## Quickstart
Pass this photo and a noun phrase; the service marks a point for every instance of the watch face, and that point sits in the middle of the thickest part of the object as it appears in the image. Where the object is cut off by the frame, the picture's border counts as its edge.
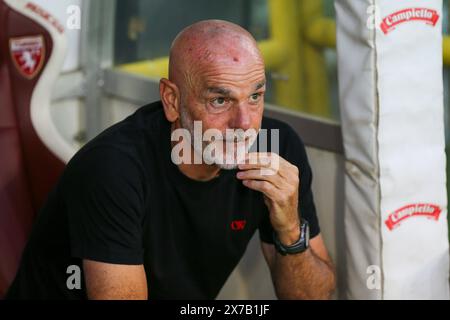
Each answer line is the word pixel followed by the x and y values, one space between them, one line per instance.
pixel 305 233
pixel 307 236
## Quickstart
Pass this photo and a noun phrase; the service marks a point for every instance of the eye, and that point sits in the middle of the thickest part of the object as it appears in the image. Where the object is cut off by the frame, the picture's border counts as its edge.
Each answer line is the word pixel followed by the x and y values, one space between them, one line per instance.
pixel 219 102
pixel 255 97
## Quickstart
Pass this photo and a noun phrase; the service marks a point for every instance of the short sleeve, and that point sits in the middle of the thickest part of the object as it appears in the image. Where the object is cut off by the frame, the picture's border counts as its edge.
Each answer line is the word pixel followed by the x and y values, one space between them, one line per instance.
pixel 104 200
pixel 293 150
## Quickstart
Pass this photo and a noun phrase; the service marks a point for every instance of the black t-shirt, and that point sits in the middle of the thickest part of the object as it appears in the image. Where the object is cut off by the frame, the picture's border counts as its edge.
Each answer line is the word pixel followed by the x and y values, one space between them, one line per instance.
pixel 122 200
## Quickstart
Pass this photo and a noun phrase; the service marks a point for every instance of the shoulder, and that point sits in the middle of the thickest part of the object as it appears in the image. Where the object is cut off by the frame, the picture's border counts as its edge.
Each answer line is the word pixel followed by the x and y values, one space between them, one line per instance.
pixel 103 167
pixel 134 128
pixel 123 146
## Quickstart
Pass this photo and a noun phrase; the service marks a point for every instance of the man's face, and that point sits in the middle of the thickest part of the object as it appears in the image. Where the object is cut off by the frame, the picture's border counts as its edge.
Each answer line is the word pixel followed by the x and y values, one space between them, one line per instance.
pixel 224 95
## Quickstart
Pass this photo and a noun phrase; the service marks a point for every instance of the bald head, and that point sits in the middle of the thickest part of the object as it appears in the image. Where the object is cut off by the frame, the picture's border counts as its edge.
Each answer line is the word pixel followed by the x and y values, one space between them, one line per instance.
pixel 207 43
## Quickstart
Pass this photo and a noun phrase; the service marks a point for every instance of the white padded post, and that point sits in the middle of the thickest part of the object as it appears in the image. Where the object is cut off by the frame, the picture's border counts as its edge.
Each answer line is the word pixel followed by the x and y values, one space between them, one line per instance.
pixel 391 98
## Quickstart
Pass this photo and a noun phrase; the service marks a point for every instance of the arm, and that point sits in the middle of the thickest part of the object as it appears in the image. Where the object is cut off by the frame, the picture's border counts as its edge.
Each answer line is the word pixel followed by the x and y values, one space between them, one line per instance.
pixel 106 281
pixel 307 275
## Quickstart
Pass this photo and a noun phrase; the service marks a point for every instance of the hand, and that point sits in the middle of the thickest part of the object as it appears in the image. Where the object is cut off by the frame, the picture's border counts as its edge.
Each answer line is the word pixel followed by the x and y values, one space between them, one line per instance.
pixel 279 181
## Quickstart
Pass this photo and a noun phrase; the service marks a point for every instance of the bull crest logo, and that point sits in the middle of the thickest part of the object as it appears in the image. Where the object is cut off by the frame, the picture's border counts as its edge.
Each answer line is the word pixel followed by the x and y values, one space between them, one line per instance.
pixel 28 54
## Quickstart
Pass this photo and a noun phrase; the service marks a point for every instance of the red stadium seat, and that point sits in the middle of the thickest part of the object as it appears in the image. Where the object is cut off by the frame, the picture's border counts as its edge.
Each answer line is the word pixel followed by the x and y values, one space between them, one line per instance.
pixel 32 153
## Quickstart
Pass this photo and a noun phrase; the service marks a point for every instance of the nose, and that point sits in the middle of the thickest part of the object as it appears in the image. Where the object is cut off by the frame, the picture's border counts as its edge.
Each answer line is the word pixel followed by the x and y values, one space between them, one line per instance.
pixel 241 118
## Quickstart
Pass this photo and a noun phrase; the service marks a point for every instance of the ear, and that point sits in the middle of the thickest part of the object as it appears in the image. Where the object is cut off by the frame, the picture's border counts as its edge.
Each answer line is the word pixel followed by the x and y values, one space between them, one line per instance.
pixel 170 98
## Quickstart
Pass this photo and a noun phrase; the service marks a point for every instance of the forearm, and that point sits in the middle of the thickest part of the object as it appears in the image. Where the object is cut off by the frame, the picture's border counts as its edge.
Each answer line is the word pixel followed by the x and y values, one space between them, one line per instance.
pixel 106 281
pixel 303 276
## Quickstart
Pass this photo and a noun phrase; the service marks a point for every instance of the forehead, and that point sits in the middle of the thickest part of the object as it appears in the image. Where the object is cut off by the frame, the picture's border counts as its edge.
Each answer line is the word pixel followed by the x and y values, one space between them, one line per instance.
pixel 232 77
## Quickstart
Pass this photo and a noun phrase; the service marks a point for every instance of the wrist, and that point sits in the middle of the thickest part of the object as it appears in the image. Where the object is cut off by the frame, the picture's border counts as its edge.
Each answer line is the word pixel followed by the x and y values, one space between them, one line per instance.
pixel 290 235
pixel 285 245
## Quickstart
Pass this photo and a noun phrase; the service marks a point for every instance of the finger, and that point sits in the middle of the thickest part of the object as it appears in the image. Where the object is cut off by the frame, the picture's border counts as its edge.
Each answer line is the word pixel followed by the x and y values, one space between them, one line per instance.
pixel 270 160
pixel 256 160
pixel 265 187
pixel 260 174
pixel 283 167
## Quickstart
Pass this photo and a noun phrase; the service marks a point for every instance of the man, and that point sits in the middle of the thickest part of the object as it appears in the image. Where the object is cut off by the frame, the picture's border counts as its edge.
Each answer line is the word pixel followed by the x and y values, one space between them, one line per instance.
pixel 141 226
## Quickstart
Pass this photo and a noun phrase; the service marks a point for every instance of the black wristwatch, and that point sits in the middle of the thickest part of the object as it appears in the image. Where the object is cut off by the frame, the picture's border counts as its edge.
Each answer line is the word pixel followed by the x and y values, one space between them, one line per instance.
pixel 299 246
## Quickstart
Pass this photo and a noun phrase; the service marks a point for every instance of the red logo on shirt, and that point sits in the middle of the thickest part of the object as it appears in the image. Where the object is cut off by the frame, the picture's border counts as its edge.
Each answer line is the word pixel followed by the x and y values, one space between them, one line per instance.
pixel 430 211
pixel 238 225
